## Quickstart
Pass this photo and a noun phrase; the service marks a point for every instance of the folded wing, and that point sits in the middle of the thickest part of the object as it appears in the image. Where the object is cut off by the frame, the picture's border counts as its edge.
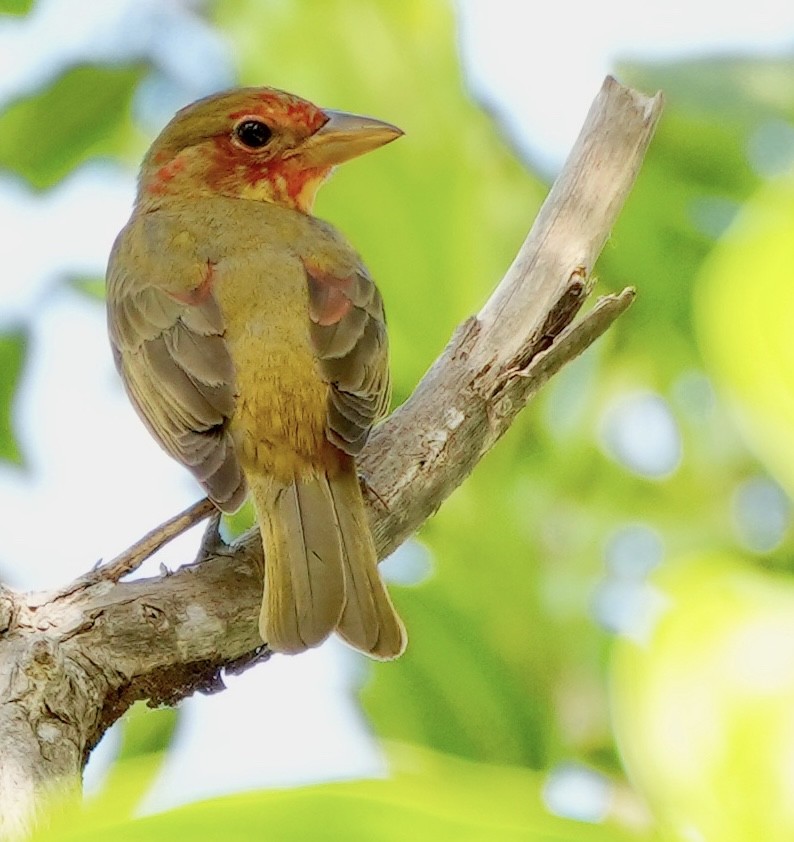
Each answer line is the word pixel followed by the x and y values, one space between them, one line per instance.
pixel 176 368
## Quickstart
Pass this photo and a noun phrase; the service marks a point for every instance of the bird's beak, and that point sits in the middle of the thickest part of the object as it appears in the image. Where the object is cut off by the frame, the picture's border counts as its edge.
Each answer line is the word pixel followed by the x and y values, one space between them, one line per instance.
pixel 345 136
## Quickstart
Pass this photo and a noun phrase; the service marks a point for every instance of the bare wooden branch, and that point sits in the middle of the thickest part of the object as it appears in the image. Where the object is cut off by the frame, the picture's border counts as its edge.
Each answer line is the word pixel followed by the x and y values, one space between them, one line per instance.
pixel 72 661
pixel 132 558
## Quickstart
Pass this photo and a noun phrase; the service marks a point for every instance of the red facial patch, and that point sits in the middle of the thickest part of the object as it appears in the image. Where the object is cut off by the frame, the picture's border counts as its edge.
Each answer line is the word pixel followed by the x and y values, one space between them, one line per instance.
pixel 225 162
pixel 232 168
pixel 295 177
pixel 167 172
pixel 164 175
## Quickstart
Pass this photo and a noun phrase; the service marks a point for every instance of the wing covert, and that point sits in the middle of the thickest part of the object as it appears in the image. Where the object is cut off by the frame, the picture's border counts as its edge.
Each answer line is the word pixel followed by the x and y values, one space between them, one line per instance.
pixel 348 328
pixel 176 368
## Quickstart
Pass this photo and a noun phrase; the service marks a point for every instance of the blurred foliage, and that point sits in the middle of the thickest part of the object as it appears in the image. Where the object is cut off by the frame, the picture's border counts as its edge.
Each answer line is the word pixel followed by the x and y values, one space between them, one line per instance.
pixel 429 797
pixel 544 553
pixel 92 287
pixel 15 7
pixel 84 113
pixel 746 310
pixel 145 734
pixel 713 146
pixel 703 702
pixel 12 356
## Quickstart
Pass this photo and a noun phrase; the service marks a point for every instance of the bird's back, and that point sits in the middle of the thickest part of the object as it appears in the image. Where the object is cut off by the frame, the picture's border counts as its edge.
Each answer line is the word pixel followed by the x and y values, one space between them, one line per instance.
pixel 279 423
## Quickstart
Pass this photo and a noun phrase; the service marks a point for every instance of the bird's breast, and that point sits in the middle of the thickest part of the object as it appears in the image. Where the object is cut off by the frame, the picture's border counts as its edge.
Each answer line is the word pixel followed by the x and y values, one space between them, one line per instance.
pixel 279 423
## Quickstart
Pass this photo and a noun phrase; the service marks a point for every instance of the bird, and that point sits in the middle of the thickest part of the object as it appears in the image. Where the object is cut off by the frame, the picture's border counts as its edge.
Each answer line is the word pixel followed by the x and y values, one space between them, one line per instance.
pixel 252 342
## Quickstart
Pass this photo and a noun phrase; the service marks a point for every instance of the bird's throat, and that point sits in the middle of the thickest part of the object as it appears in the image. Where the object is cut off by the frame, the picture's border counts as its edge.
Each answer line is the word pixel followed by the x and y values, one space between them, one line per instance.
pixel 285 185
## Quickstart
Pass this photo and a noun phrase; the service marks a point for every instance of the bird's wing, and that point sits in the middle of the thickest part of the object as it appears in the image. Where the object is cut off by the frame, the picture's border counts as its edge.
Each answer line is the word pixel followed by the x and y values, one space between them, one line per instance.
pixel 170 352
pixel 348 330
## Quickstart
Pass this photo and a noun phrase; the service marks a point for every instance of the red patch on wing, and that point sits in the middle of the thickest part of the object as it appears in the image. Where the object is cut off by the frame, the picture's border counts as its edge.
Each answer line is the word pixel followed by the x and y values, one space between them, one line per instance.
pixel 198 294
pixel 328 300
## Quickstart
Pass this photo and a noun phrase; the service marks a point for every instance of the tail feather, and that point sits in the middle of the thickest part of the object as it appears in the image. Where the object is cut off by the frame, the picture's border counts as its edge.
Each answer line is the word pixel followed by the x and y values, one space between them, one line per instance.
pixel 369 621
pixel 304 578
pixel 321 571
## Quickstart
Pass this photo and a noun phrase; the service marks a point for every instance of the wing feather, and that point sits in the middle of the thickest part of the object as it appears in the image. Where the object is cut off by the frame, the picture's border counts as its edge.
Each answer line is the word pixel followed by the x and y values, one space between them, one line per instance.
pixel 352 349
pixel 173 359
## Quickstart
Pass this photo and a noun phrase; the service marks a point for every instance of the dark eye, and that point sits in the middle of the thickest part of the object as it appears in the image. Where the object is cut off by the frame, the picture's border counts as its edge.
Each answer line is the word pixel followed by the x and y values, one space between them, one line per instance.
pixel 253 133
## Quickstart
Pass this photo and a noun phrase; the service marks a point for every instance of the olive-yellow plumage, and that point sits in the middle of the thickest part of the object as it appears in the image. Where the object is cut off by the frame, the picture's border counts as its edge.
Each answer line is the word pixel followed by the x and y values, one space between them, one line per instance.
pixel 252 342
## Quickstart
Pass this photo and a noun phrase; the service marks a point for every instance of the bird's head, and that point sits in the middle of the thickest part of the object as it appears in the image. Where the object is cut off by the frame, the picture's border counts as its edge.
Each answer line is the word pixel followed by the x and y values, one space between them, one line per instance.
pixel 255 143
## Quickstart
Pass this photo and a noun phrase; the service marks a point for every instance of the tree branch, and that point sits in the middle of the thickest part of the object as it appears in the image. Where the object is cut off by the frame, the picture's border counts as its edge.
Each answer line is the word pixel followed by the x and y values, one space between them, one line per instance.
pixel 132 558
pixel 72 661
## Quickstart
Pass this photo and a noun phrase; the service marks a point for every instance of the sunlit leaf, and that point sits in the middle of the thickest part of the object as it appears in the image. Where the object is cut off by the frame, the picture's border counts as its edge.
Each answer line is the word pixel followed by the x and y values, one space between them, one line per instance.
pixel 147 730
pixel 431 797
pixel 12 356
pixel 83 113
pixel 707 157
pixel 146 735
pixel 92 287
pixel 745 310
pixel 15 7
pixel 703 695
pixel 234 525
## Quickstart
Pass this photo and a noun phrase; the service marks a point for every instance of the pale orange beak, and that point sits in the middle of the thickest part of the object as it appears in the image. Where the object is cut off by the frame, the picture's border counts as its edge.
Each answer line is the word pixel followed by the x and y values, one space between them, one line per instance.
pixel 345 136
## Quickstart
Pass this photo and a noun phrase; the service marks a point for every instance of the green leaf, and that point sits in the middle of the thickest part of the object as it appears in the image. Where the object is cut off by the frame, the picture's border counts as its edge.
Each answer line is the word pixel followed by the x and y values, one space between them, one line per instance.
pixel 702 701
pixel 15 7
pixel 13 347
pixel 82 114
pixel 91 287
pixel 698 171
pixel 235 524
pixel 745 312
pixel 430 797
pixel 145 737
pixel 147 730
pixel 477 635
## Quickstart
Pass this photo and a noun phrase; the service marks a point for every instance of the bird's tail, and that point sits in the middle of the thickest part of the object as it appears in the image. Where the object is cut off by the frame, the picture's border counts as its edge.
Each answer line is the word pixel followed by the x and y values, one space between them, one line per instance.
pixel 321 569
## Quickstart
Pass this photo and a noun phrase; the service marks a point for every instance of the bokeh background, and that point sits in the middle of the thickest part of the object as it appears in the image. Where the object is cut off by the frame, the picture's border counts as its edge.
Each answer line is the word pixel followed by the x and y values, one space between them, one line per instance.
pixel 602 617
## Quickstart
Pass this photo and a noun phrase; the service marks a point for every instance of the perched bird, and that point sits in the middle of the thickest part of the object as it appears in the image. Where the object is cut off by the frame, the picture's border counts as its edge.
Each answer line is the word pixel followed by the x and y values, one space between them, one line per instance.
pixel 251 340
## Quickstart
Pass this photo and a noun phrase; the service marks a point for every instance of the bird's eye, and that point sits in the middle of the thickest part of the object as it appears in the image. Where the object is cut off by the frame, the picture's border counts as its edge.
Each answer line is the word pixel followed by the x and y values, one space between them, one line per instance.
pixel 253 133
